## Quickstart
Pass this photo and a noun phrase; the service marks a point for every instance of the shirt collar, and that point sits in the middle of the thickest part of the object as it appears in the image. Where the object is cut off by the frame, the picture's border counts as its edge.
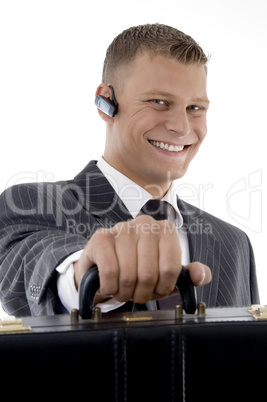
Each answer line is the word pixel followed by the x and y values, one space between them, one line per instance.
pixel 134 196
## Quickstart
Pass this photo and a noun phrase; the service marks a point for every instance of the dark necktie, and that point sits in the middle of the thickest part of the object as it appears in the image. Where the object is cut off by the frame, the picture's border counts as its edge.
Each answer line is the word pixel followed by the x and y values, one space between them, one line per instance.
pixel 158 209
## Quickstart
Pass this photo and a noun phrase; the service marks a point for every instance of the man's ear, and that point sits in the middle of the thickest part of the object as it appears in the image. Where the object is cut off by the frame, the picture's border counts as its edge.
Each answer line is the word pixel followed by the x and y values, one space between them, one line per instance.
pixel 104 91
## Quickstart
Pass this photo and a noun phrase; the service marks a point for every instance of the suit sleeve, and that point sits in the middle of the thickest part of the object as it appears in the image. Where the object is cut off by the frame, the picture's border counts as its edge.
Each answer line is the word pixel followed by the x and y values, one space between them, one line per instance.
pixel 34 239
pixel 254 291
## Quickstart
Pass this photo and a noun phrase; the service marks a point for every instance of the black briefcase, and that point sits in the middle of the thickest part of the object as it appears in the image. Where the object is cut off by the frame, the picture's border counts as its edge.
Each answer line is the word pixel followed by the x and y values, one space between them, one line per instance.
pixel 217 355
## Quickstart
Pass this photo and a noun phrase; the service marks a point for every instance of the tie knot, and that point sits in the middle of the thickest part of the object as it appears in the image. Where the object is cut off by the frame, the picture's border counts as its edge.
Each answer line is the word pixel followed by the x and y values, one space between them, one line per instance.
pixel 159 210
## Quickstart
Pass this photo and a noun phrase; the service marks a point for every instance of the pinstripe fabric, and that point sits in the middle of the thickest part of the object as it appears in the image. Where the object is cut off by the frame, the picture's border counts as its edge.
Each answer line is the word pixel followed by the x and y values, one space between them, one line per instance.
pixel 228 252
pixel 41 224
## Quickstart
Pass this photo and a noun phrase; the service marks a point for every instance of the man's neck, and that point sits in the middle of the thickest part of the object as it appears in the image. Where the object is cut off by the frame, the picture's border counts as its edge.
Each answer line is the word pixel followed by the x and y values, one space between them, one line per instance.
pixel 135 196
pixel 156 190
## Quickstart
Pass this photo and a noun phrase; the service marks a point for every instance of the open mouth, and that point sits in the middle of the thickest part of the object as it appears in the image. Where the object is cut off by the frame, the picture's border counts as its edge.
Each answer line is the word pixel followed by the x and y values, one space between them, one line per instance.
pixel 167 147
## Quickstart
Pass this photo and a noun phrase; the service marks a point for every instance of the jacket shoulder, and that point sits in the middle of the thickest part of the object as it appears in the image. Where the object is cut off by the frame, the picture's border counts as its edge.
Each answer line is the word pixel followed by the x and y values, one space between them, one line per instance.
pixel 191 213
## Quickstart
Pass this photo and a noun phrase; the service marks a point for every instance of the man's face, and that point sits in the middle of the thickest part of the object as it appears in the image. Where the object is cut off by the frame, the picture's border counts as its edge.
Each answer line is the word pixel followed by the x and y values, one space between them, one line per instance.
pixel 161 121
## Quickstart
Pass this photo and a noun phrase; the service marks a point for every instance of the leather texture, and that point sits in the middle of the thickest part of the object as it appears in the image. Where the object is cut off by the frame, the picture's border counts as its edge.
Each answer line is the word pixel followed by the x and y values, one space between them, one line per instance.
pixel 218 359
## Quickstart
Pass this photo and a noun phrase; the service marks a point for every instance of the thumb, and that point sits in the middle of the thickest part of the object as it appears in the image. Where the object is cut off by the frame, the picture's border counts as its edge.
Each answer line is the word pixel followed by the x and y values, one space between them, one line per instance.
pixel 200 274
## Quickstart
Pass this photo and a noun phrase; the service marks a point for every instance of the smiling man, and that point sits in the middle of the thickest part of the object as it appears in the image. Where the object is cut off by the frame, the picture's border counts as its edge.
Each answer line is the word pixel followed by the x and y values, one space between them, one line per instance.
pixel 155 107
pixel 161 120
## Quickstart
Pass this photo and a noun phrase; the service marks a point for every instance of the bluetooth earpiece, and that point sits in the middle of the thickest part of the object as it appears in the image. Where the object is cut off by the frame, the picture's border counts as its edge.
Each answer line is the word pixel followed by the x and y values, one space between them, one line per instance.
pixel 109 107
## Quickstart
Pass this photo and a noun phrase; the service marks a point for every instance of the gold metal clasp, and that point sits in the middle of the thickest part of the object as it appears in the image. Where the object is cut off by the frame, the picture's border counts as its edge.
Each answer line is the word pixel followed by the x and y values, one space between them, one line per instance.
pixel 137 317
pixel 258 312
pixel 97 314
pixel 11 325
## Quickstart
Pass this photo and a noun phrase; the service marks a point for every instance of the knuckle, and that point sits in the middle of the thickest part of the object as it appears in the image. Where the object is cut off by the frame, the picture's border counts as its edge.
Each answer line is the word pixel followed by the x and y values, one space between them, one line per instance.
pixel 100 236
pixel 110 270
pixel 168 279
pixel 108 281
pixel 119 227
pixel 145 219
pixel 168 228
pixel 123 229
pixel 148 276
pixel 128 281
pixel 170 275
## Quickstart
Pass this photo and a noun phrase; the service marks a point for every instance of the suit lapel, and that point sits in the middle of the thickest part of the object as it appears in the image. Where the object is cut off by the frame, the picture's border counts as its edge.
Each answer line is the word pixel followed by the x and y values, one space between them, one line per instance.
pixel 99 198
pixel 203 247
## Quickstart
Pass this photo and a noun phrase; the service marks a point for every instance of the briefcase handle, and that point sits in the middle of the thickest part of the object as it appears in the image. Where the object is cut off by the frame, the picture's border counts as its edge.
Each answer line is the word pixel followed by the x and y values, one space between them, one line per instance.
pixel 90 284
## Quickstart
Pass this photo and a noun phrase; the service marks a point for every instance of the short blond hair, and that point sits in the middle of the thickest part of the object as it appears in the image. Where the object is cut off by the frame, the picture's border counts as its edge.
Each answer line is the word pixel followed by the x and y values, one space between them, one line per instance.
pixel 154 39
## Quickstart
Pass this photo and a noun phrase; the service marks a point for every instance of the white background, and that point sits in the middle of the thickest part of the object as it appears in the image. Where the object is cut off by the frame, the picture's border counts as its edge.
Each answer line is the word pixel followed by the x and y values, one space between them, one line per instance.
pixel 51 56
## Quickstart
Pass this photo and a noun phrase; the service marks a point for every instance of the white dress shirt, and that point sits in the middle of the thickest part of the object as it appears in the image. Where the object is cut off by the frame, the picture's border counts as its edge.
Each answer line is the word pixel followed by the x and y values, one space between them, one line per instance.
pixel 134 198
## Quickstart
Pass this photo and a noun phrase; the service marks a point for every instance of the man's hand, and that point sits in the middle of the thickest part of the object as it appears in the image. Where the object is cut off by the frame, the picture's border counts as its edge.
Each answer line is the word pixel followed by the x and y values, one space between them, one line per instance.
pixel 138 260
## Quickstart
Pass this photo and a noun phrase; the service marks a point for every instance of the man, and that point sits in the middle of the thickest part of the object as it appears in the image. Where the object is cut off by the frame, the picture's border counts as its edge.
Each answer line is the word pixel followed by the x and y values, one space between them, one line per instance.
pixel 154 87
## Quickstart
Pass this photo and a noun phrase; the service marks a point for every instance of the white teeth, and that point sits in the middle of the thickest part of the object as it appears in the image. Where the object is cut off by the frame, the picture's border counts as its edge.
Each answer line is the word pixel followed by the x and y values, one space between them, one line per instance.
pixel 167 147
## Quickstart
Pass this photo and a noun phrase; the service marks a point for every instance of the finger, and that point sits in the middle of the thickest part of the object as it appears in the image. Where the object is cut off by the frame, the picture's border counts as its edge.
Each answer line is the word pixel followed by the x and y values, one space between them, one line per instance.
pixel 200 274
pixel 147 267
pixel 126 257
pixel 101 250
pixel 169 260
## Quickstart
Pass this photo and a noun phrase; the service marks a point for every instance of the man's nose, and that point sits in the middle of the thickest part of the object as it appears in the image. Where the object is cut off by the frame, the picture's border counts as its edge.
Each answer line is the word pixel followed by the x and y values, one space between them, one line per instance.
pixel 178 122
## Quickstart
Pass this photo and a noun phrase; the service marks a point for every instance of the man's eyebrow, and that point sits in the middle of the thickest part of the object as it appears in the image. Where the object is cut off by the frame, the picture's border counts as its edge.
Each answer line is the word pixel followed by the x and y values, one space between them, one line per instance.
pixel 159 93
pixel 203 99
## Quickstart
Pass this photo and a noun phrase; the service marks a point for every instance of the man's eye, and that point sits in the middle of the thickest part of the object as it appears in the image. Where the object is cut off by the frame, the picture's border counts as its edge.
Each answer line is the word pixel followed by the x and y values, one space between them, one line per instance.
pixel 159 102
pixel 197 110
pixel 194 107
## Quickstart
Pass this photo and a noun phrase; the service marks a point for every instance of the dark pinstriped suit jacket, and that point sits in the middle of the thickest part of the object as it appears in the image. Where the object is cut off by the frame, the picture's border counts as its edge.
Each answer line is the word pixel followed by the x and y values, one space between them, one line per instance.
pixel 41 224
